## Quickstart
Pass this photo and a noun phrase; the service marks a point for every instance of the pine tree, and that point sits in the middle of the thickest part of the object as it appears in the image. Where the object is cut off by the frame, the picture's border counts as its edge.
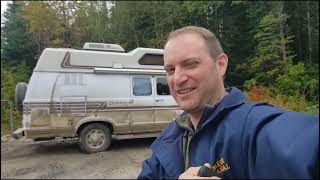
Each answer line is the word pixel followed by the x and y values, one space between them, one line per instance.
pixel 17 46
pixel 272 56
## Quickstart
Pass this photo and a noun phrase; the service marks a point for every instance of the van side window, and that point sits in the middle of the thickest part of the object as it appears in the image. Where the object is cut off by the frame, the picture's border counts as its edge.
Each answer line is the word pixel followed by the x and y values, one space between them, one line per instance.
pixel 142 86
pixel 162 86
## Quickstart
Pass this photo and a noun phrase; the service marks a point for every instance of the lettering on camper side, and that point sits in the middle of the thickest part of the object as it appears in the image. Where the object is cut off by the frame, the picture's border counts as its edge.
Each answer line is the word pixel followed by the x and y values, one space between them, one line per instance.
pixel 122 102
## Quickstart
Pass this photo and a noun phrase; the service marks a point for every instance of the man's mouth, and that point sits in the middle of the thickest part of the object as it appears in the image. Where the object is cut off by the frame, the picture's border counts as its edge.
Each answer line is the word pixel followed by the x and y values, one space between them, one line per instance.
pixel 185 91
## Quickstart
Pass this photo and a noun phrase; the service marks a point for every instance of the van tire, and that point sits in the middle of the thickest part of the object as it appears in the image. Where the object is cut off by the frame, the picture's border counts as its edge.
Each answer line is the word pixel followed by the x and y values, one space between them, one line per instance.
pixel 94 138
pixel 21 89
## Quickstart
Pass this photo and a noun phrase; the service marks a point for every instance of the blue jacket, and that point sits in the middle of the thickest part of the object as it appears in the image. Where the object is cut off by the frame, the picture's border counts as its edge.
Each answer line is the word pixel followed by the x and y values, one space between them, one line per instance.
pixel 240 140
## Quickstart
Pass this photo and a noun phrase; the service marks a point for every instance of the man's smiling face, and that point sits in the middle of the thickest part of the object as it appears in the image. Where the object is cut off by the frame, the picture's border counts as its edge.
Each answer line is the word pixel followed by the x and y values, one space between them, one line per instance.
pixel 194 77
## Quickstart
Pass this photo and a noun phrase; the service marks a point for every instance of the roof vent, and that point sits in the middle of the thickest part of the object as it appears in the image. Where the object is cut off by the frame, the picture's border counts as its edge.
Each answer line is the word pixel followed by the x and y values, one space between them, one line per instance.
pixel 103 47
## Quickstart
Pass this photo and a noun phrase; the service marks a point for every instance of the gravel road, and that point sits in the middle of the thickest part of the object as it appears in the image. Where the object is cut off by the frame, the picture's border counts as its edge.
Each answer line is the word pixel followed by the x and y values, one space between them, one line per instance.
pixel 59 159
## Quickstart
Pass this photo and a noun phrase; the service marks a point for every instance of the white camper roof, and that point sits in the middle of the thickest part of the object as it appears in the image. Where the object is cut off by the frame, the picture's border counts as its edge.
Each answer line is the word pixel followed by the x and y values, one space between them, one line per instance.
pixel 103 47
pixel 73 60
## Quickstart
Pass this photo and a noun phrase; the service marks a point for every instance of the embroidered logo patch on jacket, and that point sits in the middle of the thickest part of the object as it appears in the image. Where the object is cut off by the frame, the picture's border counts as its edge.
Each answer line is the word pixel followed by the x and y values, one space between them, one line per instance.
pixel 220 166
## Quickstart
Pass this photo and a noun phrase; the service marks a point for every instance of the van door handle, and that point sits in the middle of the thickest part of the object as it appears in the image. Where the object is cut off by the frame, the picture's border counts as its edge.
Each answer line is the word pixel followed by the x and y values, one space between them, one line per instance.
pixel 158 100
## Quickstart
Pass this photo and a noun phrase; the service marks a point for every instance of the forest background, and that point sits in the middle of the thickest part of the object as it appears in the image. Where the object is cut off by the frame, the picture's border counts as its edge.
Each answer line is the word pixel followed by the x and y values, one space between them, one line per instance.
pixel 273 46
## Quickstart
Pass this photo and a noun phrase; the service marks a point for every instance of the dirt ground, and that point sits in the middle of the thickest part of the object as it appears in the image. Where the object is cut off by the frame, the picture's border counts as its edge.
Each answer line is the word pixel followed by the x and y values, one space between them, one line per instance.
pixel 63 160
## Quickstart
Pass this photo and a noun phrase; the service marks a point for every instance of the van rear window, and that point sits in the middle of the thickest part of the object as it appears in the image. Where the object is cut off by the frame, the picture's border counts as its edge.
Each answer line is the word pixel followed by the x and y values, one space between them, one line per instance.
pixel 142 86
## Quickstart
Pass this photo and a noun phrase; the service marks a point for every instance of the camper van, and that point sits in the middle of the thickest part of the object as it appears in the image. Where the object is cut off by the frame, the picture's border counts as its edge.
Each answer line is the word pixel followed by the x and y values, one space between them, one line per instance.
pixel 96 94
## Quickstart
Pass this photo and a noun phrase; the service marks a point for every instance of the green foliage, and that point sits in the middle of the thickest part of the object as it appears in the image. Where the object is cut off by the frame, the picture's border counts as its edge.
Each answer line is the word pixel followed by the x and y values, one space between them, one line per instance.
pixel 272 55
pixel 297 83
pixel 9 79
pixel 43 24
pixel 312 109
pixel 269 43
pixel 16 44
pixel 7 85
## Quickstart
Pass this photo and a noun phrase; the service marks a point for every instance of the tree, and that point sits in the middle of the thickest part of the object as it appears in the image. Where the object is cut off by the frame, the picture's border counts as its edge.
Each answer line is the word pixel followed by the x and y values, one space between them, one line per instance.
pixel 269 43
pixel 272 55
pixel 17 46
pixel 63 11
pixel 303 22
pixel 43 24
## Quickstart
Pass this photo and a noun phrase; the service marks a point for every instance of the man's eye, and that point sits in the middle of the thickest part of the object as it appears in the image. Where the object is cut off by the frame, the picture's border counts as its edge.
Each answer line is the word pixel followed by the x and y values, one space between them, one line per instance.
pixel 191 64
pixel 170 71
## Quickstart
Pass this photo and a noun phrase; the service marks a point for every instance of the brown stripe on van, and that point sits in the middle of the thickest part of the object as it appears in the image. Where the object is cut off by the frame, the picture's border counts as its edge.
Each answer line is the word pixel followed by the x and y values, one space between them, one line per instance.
pixel 66 60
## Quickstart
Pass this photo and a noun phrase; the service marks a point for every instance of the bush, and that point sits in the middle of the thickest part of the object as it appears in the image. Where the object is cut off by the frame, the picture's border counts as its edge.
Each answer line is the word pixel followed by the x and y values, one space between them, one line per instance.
pixel 9 80
pixel 291 103
pixel 297 83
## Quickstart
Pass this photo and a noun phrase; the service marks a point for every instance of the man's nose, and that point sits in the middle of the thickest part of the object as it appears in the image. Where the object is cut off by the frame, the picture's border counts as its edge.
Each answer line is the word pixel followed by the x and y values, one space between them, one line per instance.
pixel 180 77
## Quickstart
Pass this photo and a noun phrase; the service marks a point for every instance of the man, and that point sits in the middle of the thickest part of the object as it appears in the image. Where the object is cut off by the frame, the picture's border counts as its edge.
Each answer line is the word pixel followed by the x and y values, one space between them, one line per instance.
pixel 234 138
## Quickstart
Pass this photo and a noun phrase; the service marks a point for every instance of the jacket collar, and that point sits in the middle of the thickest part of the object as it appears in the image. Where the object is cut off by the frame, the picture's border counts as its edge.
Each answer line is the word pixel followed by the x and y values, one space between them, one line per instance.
pixel 234 98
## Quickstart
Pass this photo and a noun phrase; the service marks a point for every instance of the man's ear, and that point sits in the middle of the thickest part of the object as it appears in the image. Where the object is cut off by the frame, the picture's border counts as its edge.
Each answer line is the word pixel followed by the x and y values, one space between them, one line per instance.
pixel 222 63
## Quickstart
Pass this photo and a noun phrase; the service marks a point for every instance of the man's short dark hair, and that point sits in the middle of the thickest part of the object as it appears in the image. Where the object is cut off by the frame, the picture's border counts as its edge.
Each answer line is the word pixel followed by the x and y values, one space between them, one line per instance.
pixel 212 43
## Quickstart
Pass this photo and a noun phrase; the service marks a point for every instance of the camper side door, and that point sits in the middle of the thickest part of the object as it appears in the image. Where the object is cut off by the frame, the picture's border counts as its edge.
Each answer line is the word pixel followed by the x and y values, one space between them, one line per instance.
pixel 166 109
pixel 142 106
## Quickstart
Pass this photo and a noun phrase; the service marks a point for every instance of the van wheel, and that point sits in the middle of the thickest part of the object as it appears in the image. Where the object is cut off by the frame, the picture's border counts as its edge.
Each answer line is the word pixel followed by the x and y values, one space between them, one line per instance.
pixel 21 89
pixel 94 138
